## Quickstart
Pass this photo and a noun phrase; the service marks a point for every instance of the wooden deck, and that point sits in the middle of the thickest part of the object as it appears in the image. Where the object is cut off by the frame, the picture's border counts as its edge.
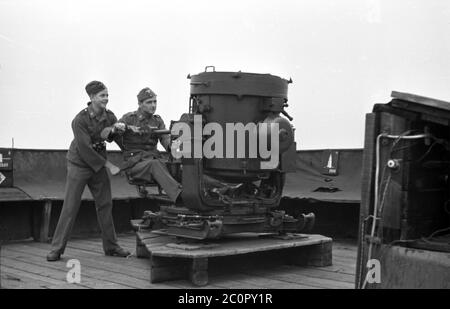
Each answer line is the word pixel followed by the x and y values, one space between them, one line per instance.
pixel 23 265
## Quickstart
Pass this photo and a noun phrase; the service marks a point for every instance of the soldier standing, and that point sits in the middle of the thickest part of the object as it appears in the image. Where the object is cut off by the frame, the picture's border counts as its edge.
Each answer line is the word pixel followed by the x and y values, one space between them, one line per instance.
pixel 86 165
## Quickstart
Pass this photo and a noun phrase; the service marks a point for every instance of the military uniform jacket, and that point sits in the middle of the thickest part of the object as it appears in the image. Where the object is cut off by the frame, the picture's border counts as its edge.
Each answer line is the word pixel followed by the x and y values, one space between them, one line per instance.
pixel 141 145
pixel 87 128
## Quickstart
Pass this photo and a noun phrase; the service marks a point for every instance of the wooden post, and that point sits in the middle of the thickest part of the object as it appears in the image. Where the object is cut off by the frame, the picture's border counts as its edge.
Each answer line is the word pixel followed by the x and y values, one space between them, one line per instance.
pixel 45 222
pixel 198 271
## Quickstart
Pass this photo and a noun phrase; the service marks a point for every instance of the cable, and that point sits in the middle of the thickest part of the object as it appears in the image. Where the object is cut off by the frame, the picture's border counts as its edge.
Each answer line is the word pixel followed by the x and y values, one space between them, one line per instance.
pixel 384 195
pixel 405 147
pixel 438 231
pixel 427 152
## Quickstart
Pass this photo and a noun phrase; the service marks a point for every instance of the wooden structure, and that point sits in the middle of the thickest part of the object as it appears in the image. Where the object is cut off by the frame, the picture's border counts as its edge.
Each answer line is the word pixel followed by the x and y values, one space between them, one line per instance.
pixel 23 265
pixel 173 258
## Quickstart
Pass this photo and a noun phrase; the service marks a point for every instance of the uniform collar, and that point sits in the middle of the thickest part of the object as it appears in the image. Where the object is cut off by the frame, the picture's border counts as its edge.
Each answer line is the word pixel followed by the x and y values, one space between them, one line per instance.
pixel 91 112
pixel 143 115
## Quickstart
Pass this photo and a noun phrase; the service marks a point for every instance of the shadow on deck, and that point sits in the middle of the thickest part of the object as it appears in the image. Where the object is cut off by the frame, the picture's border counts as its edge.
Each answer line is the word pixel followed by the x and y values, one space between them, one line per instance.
pixel 23 265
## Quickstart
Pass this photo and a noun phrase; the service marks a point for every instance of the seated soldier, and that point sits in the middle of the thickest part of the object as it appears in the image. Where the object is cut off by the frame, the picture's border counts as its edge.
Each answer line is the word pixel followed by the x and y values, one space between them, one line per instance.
pixel 139 145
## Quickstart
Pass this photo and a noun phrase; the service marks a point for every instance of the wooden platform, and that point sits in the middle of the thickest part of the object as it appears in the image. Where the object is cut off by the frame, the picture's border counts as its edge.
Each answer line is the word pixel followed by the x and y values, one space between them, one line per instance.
pixel 175 258
pixel 23 265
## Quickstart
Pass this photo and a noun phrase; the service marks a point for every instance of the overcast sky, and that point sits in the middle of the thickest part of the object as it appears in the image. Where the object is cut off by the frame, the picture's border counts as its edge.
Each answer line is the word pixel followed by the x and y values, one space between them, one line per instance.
pixel 343 57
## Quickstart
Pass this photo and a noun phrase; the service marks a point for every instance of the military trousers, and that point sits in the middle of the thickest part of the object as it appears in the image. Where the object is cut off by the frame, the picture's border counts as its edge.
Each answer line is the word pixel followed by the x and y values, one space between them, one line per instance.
pixel 153 169
pixel 100 186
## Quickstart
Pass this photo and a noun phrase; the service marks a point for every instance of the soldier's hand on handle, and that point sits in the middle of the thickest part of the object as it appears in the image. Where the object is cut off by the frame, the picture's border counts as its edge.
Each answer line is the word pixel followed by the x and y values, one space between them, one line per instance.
pixel 114 170
pixel 119 127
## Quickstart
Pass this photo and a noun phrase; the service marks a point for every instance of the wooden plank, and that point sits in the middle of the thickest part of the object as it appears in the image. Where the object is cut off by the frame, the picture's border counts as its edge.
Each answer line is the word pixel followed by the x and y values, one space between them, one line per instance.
pixel 242 280
pixel 349 259
pixel 102 263
pixel 339 268
pixel 90 260
pixel 218 282
pixel 58 269
pixel 93 261
pixel 90 277
pixel 17 279
pixel 349 255
pixel 274 262
pixel 225 282
pixel 320 273
pixel 136 264
pixel 345 250
pixel 55 277
pixel 109 272
pixel 186 284
pixel 234 246
pixel 279 273
pixel 260 281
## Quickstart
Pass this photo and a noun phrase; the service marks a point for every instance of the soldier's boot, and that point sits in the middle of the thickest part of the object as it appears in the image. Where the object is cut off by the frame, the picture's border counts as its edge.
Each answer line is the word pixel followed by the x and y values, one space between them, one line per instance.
pixel 53 256
pixel 119 251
